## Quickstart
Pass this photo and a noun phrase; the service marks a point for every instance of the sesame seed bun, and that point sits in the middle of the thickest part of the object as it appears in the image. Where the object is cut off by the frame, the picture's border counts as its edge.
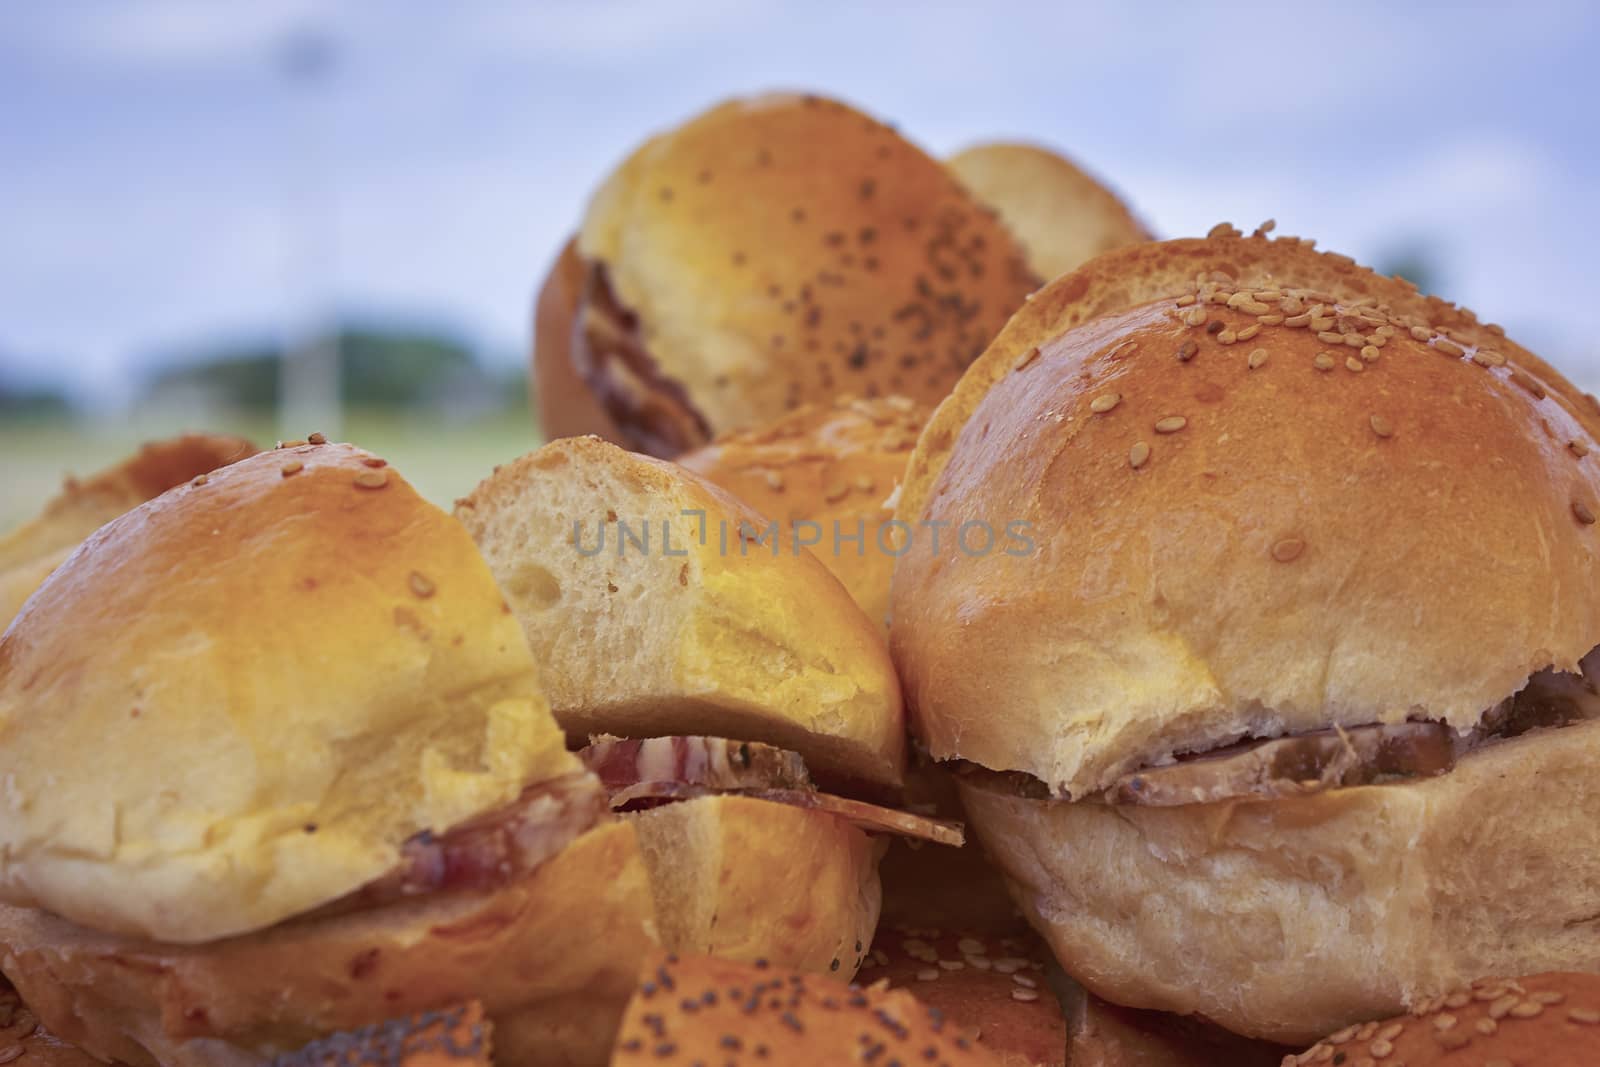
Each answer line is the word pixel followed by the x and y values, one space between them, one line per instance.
pixel 453 1036
pixel 701 1009
pixel 826 464
pixel 30 552
pixel 1224 551
pixel 1062 215
pixel 226 707
pixel 1250 528
pixel 722 638
pixel 1552 1020
pixel 781 250
pixel 552 957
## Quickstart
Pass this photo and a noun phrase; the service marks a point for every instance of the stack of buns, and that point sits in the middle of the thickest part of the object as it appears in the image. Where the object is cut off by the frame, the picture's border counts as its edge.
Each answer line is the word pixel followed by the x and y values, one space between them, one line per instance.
pixel 1238 598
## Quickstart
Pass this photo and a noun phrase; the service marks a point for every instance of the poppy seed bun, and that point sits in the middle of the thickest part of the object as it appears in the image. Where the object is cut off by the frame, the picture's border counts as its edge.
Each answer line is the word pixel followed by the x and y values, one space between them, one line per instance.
pixel 699 1009
pixel 1406 534
pixel 786 249
pixel 1547 1020
pixel 826 464
pixel 236 702
pixel 565 405
pixel 1062 216
pixel 454 1036
pixel 30 552
pixel 652 636
pixel 552 956
pixel 1289 918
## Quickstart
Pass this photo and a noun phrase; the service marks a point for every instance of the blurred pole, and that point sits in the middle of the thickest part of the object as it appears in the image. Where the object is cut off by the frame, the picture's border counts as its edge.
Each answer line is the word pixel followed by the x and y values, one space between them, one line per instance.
pixel 308 374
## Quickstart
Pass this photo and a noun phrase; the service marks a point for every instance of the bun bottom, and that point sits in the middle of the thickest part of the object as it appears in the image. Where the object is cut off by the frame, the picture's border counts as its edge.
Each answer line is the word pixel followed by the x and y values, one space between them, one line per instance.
pixel 1292 918
pixel 552 957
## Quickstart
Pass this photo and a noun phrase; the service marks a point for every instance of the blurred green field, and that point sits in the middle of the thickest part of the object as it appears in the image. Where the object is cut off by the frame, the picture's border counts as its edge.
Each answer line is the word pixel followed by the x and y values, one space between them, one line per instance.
pixel 443 457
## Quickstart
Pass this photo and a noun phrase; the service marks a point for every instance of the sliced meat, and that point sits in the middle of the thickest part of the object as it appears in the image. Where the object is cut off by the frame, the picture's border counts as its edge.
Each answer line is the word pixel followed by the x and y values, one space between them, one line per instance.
pixel 495 848
pixel 869 817
pixel 1286 766
pixel 1550 699
pixel 608 351
pixel 709 761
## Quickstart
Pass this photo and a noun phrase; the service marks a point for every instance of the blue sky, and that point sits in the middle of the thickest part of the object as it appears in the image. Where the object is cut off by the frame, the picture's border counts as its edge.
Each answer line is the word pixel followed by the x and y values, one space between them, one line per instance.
pixel 161 179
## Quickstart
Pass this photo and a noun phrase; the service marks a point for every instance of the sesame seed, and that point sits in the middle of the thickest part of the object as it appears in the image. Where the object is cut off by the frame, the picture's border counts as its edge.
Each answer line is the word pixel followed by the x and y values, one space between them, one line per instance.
pixel 1488 357
pixel 1297 321
pixel 374 461
pixel 199 480
pixel 1486 1026
pixel 1499 1008
pixel 952 965
pixel 1288 549
pixel 1024 981
pixel 1026 358
pixel 1291 305
pixel 1548 996
pixel 1249 331
pixel 1009 964
pixel 1421 333
pixel 1195 316
pixel 1390 1032
pixel 1380 1049
pixel 1215 326
pixel 1227 337
pixel 1528 382
pixel 1583 513
pixel 1323 361
pixel 1328 337
pixel 1270 320
pixel 1529 1009
pixel 1171 424
pixel 421 585
pixel 317 439
pixel 1381 426
pixel 1370 353
pixel 1026 996
pixel 1223 229
pixel 294 466
pixel 971 946
pixel 1444 1021
pixel 1138 456
pixel 1588 1016
pixel 1186 351
pixel 1342 1036
pixel 371 479
pixel 1448 347
pixel 1186 301
pixel 1258 359
pixel 1354 365
pixel 1453 1039
pixel 927 974
pixel 1105 402
pixel 774 481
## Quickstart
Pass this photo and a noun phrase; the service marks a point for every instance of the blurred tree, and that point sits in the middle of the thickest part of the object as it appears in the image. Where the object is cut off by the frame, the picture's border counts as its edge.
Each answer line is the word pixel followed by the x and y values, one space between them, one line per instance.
pixel 381 368
pixel 32 402
pixel 1416 262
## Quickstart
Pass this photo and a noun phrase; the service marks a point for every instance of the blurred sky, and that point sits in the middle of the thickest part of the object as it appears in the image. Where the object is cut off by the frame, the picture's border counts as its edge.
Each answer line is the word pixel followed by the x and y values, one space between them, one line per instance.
pixel 160 170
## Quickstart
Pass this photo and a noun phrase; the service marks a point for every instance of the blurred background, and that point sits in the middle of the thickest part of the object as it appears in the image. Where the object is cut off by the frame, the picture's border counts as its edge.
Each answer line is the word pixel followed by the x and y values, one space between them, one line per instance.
pixel 192 192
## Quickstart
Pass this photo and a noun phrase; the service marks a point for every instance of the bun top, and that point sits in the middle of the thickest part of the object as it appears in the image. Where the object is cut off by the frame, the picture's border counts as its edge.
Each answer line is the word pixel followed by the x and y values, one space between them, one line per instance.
pixel 237 701
pixel 1062 216
pixel 827 465
pixel 785 249
pixel 1268 491
pixel 1549 1019
pixel 702 1009
pixel 34 549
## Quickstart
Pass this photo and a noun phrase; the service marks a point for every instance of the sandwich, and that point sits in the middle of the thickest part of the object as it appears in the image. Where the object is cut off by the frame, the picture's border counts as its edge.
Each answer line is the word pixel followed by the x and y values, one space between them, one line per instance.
pixel 827 473
pixel 278 763
pixel 1286 713
pixel 739 708
pixel 771 252
pixel 1062 215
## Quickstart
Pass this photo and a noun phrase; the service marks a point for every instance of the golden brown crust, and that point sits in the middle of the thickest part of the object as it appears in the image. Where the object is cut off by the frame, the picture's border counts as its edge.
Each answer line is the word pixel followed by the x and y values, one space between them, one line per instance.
pixel 562 944
pixel 1062 215
pixel 566 406
pixel 33 550
pixel 766 273
pixel 1235 531
pixel 300 664
pixel 1552 1020
pixel 834 464
pixel 707 631
pixel 1290 918
pixel 701 1009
